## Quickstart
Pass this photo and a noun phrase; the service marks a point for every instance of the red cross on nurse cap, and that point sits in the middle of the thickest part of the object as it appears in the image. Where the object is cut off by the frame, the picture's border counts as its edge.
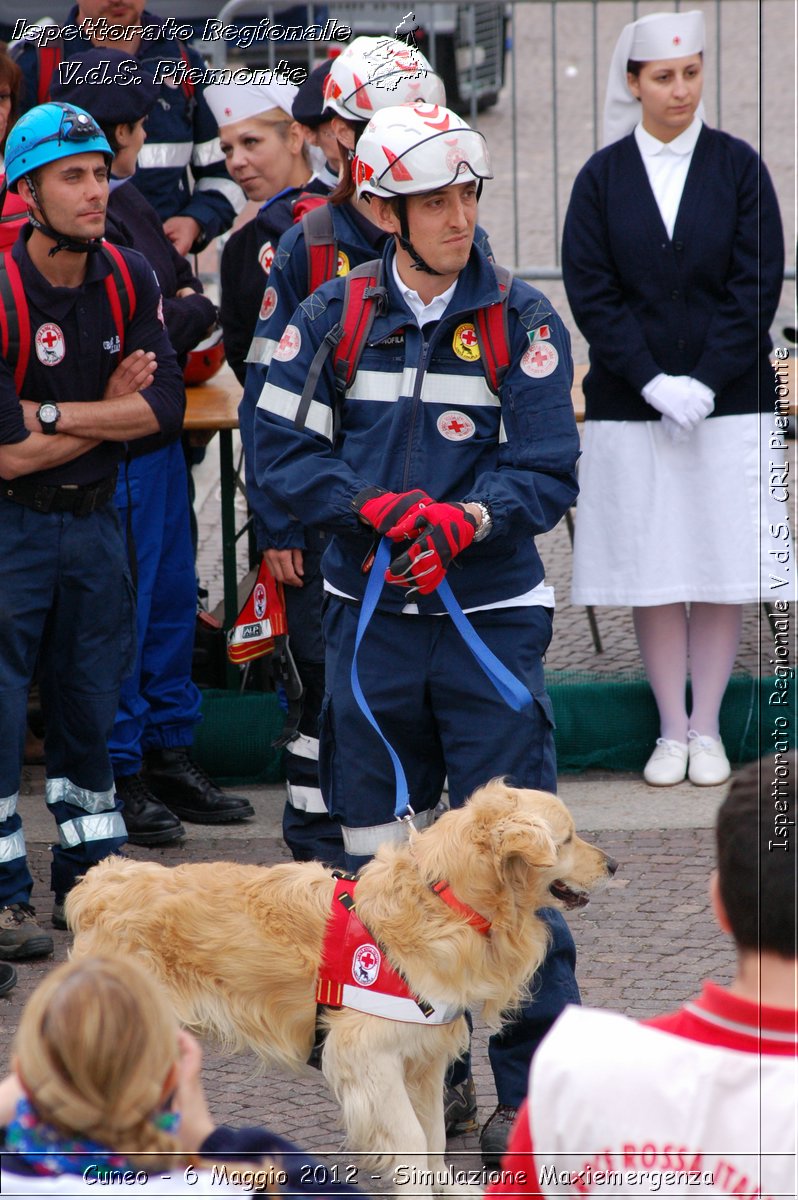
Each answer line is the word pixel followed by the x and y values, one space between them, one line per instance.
pixel 659 34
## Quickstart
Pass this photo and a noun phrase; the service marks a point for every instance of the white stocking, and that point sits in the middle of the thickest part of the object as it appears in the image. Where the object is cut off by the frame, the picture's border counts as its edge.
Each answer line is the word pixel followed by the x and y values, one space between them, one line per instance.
pixel 661 632
pixel 713 639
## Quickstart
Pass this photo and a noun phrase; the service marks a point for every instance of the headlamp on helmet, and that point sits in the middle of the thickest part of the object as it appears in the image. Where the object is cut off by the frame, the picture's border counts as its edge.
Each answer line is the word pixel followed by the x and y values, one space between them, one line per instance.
pixel 48 133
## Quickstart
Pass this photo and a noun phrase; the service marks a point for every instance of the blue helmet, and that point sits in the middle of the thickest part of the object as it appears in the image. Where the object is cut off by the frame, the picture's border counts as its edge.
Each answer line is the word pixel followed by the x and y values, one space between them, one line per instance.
pixel 47 133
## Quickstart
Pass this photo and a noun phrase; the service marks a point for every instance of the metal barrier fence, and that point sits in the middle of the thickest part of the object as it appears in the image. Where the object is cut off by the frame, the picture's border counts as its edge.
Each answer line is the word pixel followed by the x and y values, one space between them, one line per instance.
pixel 540 103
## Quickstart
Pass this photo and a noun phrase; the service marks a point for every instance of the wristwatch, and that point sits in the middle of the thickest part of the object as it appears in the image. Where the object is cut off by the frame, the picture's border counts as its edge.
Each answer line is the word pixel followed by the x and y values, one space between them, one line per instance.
pixel 48 415
pixel 486 523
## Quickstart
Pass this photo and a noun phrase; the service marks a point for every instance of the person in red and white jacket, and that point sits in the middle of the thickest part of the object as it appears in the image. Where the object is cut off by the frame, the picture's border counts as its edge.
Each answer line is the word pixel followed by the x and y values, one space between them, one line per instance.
pixel 700 1102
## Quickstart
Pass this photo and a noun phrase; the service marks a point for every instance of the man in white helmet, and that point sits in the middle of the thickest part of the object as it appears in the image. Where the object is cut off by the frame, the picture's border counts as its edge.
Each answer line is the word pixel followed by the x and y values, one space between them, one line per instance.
pixel 453 463
pixel 330 239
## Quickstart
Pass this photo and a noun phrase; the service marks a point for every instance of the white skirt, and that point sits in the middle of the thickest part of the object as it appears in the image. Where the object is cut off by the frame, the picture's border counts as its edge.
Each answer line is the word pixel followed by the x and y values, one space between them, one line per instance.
pixel 659 522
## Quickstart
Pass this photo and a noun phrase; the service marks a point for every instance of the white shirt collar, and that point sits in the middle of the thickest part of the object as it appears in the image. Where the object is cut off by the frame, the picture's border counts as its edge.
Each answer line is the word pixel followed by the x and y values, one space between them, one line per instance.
pixel 683 144
pixel 421 311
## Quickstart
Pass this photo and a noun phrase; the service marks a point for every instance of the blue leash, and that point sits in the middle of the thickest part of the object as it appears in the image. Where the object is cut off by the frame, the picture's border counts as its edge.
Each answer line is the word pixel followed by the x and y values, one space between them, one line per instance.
pixel 510 688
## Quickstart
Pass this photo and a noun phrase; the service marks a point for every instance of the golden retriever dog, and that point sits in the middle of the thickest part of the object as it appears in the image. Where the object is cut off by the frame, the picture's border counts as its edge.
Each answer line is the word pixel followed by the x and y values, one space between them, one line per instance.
pixel 239 949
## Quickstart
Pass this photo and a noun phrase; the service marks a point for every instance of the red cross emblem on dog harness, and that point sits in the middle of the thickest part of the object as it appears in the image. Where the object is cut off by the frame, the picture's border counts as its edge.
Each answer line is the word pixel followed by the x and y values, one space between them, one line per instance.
pixel 355 972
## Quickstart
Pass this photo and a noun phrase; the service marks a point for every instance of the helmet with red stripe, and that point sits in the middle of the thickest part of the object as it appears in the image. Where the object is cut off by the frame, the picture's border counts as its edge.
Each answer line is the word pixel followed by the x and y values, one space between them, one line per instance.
pixel 377 72
pixel 408 150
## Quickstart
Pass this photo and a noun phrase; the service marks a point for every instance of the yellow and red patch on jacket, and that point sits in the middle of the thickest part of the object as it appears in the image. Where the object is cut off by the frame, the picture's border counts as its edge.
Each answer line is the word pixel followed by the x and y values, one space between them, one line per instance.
pixel 465 342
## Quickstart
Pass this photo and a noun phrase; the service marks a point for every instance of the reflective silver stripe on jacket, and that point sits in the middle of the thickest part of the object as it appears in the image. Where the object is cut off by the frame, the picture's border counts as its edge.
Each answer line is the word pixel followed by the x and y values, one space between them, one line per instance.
pixel 8 804
pixel 205 154
pixel 91 802
pixel 438 388
pixel 165 154
pixel 226 187
pixel 368 838
pixel 261 350
pixel 91 829
pixel 305 799
pixel 286 404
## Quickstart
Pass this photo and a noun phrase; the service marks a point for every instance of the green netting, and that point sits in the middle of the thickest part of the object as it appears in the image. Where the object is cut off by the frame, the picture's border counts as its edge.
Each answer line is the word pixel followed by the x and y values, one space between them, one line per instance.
pixel 603 721
pixel 610 721
pixel 233 742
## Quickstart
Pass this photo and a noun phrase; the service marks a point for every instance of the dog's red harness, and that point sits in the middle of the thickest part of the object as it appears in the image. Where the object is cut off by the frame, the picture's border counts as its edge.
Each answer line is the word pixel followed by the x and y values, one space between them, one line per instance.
pixel 355 972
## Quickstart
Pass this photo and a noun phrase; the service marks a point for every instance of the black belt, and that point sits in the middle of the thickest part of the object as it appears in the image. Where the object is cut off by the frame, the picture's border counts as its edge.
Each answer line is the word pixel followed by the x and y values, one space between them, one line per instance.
pixel 76 498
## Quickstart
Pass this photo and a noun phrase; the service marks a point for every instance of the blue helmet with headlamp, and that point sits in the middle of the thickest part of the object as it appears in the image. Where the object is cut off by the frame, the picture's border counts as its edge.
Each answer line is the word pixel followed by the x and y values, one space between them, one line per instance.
pixel 47 133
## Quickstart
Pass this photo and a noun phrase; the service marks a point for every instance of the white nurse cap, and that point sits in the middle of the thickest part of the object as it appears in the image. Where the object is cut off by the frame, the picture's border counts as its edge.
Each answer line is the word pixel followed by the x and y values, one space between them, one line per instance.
pixel 231 102
pixel 659 35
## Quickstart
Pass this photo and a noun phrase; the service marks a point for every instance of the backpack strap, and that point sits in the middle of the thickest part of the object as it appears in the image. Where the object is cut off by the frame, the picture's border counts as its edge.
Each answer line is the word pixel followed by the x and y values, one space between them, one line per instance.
pixel 14 320
pixel 363 294
pixel 492 332
pixel 321 246
pixel 120 290
pixel 49 58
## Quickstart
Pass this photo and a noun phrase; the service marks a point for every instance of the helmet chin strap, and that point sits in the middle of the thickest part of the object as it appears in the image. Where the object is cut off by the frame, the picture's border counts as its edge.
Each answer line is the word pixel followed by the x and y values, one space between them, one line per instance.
pixel 62 240
pixel 418 263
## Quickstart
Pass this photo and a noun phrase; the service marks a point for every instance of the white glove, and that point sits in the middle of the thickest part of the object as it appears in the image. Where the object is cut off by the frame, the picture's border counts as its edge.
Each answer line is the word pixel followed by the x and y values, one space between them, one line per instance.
pixel 703 397
pixel 678 434
pixel 683 399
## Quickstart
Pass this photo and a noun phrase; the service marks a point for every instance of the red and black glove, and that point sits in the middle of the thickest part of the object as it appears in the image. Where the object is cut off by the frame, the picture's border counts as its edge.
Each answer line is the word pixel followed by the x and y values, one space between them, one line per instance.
pixel 444 531
pixel 382 510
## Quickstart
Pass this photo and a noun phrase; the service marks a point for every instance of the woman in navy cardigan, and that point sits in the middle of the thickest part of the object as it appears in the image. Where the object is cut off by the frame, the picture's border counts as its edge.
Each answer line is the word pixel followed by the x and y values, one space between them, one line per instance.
pixel 673 261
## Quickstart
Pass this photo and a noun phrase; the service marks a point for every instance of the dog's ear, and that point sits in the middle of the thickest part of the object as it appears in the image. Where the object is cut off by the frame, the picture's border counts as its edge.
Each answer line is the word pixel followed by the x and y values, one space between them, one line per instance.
pixel 526 846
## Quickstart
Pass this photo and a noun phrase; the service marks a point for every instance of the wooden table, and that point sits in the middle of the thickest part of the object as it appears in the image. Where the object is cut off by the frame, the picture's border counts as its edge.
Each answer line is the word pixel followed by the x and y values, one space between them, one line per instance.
pixel 213 407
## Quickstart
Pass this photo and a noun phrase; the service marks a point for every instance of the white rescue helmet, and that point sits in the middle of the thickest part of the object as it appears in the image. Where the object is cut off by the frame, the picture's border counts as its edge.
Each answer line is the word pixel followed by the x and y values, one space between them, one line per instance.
pixel 375 72
pixel 417 148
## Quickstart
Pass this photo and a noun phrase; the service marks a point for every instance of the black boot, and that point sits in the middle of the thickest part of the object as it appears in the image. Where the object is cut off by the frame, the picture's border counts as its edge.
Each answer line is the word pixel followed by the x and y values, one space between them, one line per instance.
pixel 148 821
pixel 189 792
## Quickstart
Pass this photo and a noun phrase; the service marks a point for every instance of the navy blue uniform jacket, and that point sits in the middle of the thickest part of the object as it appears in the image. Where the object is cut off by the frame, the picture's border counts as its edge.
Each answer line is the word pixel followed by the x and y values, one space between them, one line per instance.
pixel 419 415
pixel 181 133
pixel 699 304
pixel 358 241
pixel 83 314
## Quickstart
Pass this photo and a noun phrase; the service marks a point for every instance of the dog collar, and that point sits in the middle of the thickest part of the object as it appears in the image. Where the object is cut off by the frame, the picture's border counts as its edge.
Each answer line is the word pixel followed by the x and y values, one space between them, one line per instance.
pixel 480 923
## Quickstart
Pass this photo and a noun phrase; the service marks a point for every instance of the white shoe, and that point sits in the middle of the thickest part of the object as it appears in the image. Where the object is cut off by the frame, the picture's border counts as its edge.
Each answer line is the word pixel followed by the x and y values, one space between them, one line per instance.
pixel 709 765
pixel 667 765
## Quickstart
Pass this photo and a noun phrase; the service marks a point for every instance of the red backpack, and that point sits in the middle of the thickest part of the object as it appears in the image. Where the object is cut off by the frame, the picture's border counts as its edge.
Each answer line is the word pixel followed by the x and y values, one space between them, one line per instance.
pixel 14 313
pixel 321 244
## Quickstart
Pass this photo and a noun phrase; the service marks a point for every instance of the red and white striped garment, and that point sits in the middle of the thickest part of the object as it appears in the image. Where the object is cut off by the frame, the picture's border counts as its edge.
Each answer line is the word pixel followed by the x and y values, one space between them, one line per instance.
pixel 700 1103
